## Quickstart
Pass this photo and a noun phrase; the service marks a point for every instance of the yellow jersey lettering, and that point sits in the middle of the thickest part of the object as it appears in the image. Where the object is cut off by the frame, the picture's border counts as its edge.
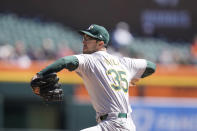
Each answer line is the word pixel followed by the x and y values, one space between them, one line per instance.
pixel 111 62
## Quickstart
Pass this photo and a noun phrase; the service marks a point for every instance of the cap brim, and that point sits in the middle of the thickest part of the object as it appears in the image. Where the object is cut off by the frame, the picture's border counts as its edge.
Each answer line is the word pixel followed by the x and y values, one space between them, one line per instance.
pixel 82 32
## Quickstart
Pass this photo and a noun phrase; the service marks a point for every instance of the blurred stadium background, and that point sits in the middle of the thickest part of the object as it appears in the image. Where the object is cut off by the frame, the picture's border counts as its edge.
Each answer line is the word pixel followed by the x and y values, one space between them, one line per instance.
pixel 34 33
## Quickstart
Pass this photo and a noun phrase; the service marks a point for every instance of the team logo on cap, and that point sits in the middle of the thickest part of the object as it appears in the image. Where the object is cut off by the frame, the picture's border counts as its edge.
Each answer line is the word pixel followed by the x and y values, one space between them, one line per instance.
pixel 91 27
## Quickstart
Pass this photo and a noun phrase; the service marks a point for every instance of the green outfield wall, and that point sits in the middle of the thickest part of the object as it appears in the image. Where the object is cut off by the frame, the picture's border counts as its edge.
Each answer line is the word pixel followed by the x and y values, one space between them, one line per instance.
pixel 21 109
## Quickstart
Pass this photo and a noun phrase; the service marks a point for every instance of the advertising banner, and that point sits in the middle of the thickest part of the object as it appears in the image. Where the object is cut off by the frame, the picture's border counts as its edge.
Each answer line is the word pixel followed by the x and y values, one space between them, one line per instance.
pixel 164 114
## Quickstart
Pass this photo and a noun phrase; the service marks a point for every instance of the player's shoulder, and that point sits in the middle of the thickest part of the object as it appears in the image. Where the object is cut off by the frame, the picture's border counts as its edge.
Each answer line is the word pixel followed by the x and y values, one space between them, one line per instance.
pixel 99 54
pixel 130 60
pixel 124 58
pixel 85 57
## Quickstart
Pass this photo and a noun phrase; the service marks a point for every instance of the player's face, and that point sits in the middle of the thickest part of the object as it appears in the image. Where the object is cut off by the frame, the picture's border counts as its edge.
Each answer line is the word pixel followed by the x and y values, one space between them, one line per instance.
pixel 90 45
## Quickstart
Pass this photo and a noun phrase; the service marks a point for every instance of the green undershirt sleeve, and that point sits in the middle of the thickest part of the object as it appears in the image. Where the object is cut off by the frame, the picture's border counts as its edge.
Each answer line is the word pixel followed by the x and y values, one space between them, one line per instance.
pixel 68 62
pixel 150 69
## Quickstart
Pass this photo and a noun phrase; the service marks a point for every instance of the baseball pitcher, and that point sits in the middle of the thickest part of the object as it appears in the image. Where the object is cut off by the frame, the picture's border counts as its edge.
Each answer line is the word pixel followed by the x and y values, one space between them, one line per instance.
pixel 105 76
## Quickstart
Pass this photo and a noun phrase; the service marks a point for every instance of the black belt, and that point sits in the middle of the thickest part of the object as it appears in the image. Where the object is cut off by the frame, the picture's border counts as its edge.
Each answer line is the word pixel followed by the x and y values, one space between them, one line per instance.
pixel 120 115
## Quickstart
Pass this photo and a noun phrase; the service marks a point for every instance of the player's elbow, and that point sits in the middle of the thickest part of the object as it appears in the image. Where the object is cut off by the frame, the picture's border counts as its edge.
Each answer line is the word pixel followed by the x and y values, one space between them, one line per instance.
pixel 71 62
pixel 150 69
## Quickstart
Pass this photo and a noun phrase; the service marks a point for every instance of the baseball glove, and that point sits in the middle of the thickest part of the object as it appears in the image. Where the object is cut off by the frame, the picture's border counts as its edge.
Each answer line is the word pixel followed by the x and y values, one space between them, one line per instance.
pixel 47 87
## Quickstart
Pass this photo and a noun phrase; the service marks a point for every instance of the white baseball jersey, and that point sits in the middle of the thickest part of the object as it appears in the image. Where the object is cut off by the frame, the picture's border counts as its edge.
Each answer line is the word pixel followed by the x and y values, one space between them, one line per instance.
pixel 107 79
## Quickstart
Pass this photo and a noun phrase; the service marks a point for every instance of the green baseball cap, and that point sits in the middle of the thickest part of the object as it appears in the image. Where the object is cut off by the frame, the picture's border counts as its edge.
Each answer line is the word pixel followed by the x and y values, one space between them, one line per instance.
pixel 98 32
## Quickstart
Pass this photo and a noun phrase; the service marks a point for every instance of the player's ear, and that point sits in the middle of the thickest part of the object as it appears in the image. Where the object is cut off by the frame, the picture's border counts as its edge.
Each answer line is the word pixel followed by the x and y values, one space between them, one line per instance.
pixel 101 43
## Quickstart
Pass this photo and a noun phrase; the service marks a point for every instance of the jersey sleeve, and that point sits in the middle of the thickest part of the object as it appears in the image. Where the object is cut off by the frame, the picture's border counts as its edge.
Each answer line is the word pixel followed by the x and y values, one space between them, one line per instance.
pixel 136 66
pixel 83 63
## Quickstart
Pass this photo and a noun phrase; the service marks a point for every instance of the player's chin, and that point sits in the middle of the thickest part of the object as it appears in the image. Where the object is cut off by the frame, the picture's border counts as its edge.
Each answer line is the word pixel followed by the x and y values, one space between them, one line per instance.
pixel 85 51
pixel 88 52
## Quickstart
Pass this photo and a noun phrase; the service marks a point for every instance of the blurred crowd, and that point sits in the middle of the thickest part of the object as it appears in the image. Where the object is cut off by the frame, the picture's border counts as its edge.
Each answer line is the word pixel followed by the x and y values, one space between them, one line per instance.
pixel 122 43
pixel 23 56
pixel 159 51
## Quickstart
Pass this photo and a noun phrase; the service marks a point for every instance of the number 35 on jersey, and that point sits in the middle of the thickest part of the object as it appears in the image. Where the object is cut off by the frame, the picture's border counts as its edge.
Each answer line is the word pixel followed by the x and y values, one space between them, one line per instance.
pixel 120 81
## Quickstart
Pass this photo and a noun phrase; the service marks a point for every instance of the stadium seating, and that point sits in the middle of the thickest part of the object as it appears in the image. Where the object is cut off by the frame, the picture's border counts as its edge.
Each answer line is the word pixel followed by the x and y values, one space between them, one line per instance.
pixel 32 32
